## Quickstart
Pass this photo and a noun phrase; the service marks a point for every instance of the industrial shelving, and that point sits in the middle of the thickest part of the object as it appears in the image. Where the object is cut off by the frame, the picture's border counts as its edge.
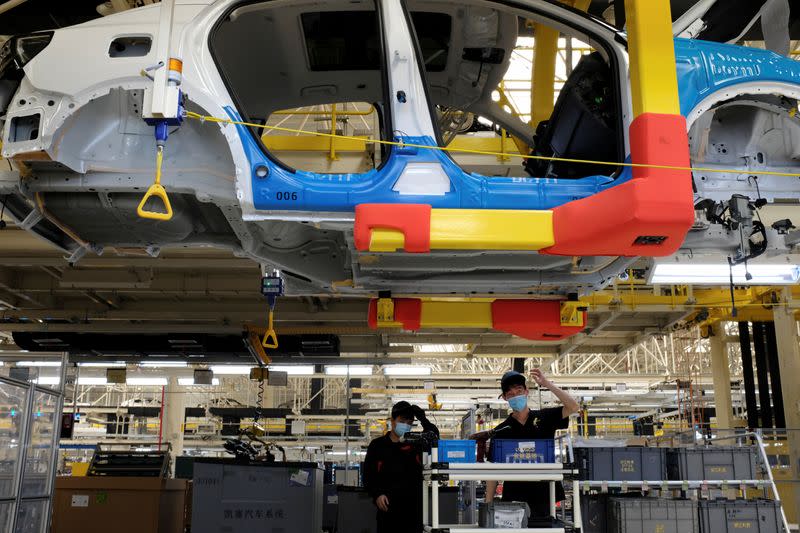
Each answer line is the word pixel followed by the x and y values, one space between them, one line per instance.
pixel 435 472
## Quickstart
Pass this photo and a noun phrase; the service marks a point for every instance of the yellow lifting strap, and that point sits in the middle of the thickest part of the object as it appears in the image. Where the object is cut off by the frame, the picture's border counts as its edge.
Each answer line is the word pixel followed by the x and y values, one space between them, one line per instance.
pixel 270 337
pixel 156 190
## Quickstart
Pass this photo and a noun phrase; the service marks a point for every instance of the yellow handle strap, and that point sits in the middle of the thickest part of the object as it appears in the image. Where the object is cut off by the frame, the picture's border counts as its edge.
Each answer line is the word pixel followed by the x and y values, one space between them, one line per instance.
pixel 270 337
pixel 158 191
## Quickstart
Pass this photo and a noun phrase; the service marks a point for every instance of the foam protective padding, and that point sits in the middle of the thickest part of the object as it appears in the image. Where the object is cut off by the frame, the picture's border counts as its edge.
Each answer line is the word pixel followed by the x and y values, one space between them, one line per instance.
pixel 646 216
pixel 538 320
pixel 412 220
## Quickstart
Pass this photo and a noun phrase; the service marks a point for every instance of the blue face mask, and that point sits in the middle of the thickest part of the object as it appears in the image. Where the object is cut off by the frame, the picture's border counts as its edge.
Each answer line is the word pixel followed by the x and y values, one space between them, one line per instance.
pixel 518 403
pixel 401 428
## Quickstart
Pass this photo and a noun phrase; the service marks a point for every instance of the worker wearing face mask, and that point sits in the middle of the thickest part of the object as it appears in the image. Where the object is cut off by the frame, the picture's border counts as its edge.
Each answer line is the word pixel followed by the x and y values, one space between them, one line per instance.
pixel 524 423
pixel 393 471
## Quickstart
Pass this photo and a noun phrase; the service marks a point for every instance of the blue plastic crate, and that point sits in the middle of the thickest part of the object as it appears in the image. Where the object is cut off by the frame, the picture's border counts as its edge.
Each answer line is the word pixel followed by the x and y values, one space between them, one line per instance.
pixel 523 451
pixel 457 451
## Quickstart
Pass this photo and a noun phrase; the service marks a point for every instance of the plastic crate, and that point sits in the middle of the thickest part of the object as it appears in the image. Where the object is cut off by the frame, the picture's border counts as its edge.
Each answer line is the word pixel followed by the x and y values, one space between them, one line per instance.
pixel 711 463
pixel 752 516
pixel 621 464
pixel 652 515
pixel 523 451
pixel 457 451
pixel 594 513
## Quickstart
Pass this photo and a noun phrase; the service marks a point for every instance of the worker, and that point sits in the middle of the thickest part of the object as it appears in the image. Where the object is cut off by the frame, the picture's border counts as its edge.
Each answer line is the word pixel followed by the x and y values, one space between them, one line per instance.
pixel 393 470
pixel 524 423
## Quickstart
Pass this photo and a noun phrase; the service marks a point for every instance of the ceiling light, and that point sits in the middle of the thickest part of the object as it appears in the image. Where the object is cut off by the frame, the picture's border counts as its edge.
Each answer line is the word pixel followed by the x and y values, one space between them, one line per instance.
pixel 38 363
pixel 344 370
pixel 47 380
pixel 293 370
pixel 144 382
pixel 189 382
pixel 231 370
pixel 92 381
pixel 102 365
pixel 719 274
pixel 407 370
pixel 165 364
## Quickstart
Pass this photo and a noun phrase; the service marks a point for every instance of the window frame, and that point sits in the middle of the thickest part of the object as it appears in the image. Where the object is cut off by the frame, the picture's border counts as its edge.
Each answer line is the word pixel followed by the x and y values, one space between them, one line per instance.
pixel 605 41
pixel 385 119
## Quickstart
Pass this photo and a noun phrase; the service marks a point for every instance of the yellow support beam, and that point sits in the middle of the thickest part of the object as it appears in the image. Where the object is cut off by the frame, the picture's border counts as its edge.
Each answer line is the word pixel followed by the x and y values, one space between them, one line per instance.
pixel 296 143
pixel 654 79
pixel 486 144
pixel 543 73
pixel 545 53
pixel 437 314
pixel 477 229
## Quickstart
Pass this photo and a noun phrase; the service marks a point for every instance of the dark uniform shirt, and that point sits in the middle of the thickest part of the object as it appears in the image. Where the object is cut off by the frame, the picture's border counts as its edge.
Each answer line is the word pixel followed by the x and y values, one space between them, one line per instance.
pixel 394 469
pixel 540 424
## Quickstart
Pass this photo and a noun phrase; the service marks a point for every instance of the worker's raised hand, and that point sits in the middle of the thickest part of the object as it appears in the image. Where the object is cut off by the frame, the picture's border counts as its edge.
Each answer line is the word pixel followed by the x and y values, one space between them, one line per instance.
pixel 538 377
pixel 419 413
pixel 383 503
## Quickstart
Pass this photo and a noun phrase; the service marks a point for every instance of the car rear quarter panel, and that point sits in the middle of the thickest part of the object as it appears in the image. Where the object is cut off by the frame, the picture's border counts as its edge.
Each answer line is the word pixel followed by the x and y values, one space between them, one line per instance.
pixel 705 68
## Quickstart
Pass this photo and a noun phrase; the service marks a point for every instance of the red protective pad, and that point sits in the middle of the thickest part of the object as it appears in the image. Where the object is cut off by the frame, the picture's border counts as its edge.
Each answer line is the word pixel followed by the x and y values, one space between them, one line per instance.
pixel 407 311
pixel 413 220
pixel 647 216
pixel 536 320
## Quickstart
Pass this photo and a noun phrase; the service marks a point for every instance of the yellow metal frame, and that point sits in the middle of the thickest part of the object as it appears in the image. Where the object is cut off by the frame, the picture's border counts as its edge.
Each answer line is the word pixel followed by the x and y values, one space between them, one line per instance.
pixel 297 143
pixel 477 229
pixel 545 53
pixel 444 314
pixel 385 314
pixel 654 79
pixel 572 314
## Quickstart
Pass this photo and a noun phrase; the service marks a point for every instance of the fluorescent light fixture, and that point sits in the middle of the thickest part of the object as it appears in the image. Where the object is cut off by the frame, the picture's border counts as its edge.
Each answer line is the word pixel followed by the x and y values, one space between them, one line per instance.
pixel 102 365
pixel 165 364
pixel 293 370
pixel 38 363
pixel 92 381
pixel 354 370
pixel 719 274
pixel 189 382
pixel 144 382
pixel 231 370
pixel 47 380
pixel 407 370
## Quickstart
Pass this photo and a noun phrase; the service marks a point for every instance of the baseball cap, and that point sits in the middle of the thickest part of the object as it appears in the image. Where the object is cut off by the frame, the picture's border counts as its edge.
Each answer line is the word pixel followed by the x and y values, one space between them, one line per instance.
pixel 402 408
pixel 511 378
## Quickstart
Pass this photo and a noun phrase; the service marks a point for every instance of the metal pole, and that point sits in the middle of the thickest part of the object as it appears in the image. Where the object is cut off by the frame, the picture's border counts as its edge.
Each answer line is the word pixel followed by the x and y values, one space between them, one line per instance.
pixel 347 426
pixel 26 417
pixel 57 410
pixel 553 499
pixel 435 492
pixel 425 490
pixel 576 505
pixel 776 496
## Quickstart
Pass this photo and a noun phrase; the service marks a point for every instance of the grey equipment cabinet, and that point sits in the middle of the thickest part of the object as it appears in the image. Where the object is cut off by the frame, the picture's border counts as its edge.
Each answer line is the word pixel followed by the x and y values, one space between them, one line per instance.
pixel 256 497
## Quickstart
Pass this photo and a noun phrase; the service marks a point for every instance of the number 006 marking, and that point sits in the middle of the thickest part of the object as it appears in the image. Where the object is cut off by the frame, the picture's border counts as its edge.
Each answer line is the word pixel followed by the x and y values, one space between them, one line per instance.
pixel 290 196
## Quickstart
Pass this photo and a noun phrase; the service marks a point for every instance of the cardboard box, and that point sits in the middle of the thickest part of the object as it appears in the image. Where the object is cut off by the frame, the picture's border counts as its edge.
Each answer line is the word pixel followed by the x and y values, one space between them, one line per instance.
pixel 120 504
